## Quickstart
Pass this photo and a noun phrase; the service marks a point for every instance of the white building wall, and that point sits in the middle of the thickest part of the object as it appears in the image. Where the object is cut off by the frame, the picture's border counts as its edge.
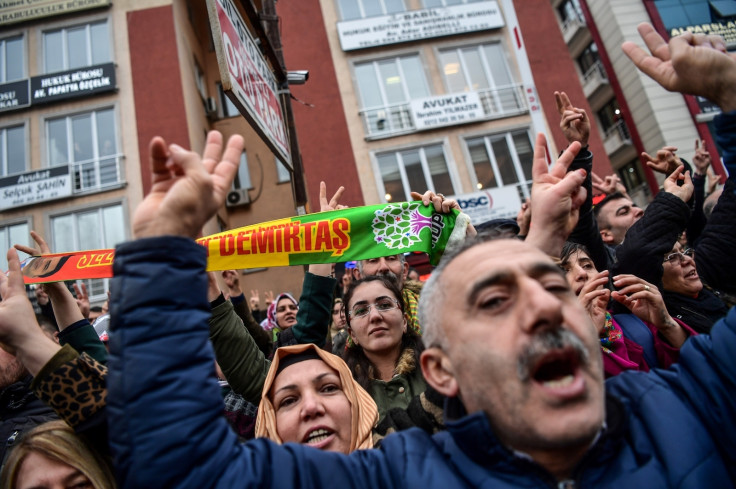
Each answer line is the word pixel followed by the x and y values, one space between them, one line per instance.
pixel 661 117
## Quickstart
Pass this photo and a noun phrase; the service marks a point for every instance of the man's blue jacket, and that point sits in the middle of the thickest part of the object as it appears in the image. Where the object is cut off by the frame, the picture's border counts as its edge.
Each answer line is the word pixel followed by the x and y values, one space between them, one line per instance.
pixel 674 428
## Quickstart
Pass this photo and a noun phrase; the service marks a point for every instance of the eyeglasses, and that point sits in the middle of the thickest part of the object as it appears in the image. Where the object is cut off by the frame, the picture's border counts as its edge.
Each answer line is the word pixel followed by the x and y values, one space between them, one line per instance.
pixel 381 305
pixel 679 255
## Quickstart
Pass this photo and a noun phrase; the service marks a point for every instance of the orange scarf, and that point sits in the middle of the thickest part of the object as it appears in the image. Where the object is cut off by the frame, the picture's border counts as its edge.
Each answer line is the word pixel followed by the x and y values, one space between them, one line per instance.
pixel 363 410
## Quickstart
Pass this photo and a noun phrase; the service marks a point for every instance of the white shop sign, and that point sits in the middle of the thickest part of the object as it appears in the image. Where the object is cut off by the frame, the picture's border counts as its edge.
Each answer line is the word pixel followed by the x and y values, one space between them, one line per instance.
pixel 419 24
pixel 446 110
pixel 492 203
pixel 36 186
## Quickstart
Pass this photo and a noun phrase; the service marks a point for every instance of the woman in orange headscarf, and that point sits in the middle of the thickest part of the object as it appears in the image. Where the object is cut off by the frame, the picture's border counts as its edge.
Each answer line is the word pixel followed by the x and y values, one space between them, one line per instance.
pixel 310 397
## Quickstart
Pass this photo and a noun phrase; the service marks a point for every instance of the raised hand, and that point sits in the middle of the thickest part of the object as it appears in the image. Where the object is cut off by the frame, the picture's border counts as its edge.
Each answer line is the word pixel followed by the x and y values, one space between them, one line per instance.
pixel 41 296
pixel 594 298
pixel 268 295
pixel 693 64
pixel 701 160
pixel 608 185
pixel 67 309
pixel 334 202
pixel 17 318
pixel 187 190
pixel 524 217
pixel 255 300
pixel 685 191
pixel 232 280
pixel 556 198
pixel 42 248
pixel 646 302
pixel 665 162
pixel 440 203
pixel 82 299
pixel 713 180
pixel 574 122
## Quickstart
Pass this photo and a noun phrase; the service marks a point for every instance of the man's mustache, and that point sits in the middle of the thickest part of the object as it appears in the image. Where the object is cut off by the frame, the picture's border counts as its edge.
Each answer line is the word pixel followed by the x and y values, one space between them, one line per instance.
pixel 545 342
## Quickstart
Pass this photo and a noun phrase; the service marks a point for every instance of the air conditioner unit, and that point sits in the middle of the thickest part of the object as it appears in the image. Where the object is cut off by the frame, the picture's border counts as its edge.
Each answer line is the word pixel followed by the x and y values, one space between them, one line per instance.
pixel 237 197
pixel 211 106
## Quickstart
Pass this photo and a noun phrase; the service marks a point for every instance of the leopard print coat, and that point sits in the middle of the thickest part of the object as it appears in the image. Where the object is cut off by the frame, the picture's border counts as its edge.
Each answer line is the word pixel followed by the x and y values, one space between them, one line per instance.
pixel 73 384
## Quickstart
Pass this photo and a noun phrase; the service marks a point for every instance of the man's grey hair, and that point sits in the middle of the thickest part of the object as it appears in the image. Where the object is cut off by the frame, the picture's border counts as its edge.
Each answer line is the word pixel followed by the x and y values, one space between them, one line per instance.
pixel 433 295
pixel 360 263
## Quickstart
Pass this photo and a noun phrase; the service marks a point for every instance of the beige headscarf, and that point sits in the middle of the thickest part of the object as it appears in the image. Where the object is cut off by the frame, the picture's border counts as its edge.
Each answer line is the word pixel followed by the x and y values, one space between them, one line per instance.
pixel 363 410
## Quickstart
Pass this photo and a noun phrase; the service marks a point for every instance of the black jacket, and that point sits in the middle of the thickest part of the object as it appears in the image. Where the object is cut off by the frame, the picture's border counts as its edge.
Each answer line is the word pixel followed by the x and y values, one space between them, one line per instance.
pixel 20 411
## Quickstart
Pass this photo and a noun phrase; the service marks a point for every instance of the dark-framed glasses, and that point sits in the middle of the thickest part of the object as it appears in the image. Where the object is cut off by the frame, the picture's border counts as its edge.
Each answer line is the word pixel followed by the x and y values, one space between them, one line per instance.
pixel 676 256
pixel 382 305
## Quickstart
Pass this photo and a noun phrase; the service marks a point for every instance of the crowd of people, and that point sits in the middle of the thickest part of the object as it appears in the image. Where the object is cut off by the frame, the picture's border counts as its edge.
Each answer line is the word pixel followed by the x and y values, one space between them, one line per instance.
pixel 586 345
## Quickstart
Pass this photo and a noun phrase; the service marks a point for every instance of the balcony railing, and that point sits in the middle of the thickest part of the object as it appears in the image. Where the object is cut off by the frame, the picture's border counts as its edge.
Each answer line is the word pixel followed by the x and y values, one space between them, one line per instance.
pixel 616 137
pixel 571 27
pixel 390 120
pixel 97 174
pixel 594 78
pixel 395 120
pixel 503 101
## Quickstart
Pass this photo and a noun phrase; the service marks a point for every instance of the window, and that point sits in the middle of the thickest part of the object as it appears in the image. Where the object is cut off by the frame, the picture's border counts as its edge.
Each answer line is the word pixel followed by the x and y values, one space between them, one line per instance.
pixel 503 159
pixel 242 179
pixel 75 47
pixel 632 175
pixel 589 58
pixel 12 63
pixel 610 115
pixel 12 150
pixel 90 229
pixel 284 175
pixel 386 86
pixel 446 3
pixel 591 66
pixel 417 169
pixel 360 9
pixel 681 13
pixel 11 234
pixel 570 11
pixel 228 108
pixel 612 123
pixel 200 81
pixel 88 143
pixel 483 69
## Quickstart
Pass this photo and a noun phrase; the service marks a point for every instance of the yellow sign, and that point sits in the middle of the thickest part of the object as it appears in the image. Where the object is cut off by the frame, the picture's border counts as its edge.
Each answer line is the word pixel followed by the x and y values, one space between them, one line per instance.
pixel 727 30
pixel 14 11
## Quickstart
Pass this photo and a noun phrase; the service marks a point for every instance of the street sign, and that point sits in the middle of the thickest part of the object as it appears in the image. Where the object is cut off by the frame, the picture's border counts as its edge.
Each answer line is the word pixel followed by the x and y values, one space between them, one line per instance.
pixel 246 77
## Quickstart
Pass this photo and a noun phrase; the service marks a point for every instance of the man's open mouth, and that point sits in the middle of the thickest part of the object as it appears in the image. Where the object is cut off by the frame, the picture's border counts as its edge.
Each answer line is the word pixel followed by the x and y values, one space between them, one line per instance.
pixel 556 367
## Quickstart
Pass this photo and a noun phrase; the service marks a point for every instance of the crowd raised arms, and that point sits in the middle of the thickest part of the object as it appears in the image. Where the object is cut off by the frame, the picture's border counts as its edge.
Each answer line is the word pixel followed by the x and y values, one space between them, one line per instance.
pixel 498 360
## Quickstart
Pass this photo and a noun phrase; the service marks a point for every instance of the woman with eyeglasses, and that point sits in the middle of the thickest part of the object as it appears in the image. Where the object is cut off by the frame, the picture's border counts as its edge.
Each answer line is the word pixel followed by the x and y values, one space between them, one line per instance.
pixel 382 352
pixel 648 338
pixel 684 294
pixel 694 288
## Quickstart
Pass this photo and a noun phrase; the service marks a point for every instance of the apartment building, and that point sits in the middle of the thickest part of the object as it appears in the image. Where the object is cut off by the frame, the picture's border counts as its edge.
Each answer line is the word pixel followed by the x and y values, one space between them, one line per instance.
pixel 433 94
pixel 84 86
pixel 633 113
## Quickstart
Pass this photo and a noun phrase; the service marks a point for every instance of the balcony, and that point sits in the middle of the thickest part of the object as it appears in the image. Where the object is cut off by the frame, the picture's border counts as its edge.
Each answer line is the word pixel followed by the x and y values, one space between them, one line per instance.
pixel 396 120
pixel 594 79
pixel 503 102
pixel 97 174
pixel 391 120
pixel 616 138
pixel 573 28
